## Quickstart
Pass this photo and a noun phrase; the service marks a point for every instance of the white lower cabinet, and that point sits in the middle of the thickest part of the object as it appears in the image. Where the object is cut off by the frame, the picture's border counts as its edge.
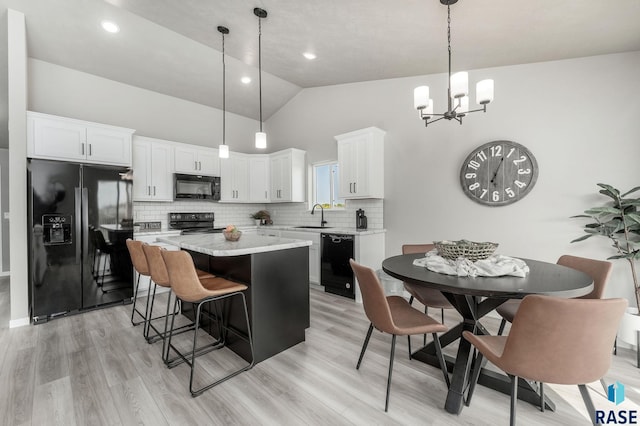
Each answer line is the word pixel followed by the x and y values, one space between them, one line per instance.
pixel 314 251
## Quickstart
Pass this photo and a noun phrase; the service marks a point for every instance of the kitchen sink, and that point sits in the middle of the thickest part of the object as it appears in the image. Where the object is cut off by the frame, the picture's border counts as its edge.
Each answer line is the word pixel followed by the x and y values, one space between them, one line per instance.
pixel 313 227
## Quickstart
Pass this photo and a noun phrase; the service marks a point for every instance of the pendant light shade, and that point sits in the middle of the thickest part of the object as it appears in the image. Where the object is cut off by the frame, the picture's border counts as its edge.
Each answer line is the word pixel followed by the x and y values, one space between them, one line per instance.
pixel 223 148
pixel 261 137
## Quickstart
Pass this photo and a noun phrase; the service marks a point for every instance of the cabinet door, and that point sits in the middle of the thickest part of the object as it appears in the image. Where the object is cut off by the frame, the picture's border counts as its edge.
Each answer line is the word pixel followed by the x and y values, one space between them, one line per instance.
pixel 141 171
pixel 241 178
pixel 347 164
pixel 276 178
pixel 259 179
pixel 161 172
pixel 186 160
pixel 226 179
pixel 209 162
pixel 59 139
pixel 108 146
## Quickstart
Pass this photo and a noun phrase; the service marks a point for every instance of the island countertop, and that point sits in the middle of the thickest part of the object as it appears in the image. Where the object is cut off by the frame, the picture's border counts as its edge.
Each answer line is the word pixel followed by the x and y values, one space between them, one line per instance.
pixel 217 245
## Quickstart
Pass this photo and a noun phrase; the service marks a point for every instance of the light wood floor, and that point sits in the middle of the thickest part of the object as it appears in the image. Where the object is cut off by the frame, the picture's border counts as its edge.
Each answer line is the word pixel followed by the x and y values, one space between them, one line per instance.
pixel 96 368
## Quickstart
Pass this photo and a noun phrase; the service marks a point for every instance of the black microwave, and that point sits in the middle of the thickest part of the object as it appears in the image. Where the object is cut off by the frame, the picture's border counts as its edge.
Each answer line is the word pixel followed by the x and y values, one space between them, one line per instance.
pixel 194 187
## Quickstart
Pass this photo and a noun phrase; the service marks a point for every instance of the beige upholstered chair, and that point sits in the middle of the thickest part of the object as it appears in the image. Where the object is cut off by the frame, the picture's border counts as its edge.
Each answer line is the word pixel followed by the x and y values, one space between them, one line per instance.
pixel 599 270
pixel 393 315
pixel 429 297
pixel 575 353
pixel 187 287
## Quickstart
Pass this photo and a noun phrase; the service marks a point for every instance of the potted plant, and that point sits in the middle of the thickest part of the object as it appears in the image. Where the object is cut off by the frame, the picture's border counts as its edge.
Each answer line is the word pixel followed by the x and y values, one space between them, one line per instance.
pixel 262 217
pixel 619 221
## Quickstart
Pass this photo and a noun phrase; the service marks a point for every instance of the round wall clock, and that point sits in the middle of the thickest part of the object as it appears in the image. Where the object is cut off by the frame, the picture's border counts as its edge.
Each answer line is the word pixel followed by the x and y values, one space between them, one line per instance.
pixel 498 173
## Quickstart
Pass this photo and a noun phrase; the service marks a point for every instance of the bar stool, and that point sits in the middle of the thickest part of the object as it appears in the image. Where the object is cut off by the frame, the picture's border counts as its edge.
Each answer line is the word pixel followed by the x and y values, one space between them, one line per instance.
pixel 139 261
pixel 160 277
pixel 188 288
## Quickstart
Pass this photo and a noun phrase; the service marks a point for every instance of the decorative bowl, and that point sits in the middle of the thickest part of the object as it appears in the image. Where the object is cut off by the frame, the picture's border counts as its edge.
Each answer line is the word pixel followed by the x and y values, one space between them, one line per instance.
pixel 232 236
pixel 468 249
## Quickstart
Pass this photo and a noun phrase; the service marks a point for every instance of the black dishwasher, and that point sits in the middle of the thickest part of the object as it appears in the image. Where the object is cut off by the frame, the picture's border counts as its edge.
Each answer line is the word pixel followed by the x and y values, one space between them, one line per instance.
pixel 335 272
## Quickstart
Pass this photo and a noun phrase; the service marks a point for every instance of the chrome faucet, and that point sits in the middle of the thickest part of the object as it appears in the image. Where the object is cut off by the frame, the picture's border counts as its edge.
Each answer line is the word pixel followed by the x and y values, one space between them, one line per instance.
pixel 322 221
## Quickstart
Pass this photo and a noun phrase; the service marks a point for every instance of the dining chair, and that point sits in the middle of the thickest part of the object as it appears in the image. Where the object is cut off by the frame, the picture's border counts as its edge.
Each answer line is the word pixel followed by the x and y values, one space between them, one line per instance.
pixel 576 353
pixel 187 287
pixel 429 297
pixel 395 316
pixel 598 270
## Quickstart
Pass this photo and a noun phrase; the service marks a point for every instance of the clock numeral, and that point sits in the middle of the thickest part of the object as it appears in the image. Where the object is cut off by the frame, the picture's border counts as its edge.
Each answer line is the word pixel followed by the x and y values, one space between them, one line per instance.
pixel 482 156
pixel 496 150
pixel 510 152
pixel 522 159
pixel 520 184
pixel 470 176
pixel 474 186
pixel 524 171
pixel 495 196
pixel 510 192
pixel 484 192
pixel 473 165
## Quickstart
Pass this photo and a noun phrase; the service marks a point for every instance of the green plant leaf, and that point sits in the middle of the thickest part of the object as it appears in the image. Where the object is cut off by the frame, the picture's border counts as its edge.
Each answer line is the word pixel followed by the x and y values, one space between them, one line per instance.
pixel 637 188
pixel 584 237
pixel 599 211
pixel 609 191
pixel 632 218
pixel 621 256
pixel 581 215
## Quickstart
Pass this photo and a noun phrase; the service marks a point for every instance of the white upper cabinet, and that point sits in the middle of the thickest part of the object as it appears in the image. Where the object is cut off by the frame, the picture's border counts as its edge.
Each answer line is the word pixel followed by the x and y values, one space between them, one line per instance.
pixel 288 176
pixel 234 178
pixel 152 169
pixel 195 160
pixel 60 138
pixel 259 178
pixel 361 163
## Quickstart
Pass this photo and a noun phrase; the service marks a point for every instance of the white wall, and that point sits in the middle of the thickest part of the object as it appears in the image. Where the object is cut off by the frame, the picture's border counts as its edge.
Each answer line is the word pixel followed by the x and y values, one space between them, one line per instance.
pixel 17 103
pixel 578 117
pixel 70 93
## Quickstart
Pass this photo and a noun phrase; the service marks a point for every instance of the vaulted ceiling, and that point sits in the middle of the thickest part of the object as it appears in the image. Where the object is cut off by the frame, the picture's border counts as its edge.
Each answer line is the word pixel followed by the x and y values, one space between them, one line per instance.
pixel 173 47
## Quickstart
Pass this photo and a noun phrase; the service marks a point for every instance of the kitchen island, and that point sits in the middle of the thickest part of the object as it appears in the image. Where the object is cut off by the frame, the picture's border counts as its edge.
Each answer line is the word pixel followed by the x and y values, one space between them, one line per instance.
pixel 276 270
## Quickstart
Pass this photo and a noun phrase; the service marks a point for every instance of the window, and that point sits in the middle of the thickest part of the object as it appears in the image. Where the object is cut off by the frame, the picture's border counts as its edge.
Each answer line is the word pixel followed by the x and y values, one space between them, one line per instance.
pixel 325 185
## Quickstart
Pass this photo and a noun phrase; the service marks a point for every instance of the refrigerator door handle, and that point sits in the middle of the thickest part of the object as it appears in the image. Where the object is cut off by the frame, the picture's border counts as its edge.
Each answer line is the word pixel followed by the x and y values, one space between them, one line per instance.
pixel 78 214
pixel 85 221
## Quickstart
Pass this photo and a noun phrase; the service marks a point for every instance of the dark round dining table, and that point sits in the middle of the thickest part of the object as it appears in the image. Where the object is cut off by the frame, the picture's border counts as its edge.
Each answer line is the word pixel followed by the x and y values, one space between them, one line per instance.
pixel 473 298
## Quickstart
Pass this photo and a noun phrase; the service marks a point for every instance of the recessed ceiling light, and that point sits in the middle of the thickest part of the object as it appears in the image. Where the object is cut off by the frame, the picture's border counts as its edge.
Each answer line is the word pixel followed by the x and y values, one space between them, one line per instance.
pixel 110 27
pixel 309 55
pixel 245 80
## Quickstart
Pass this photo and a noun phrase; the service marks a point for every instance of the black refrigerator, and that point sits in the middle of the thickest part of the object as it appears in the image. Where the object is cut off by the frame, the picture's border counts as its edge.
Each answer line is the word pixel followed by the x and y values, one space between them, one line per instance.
pixel 71 267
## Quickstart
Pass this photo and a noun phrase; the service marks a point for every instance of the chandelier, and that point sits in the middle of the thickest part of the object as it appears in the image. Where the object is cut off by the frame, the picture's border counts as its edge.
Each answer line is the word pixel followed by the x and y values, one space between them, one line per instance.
pixel 457 93
pixel 223 148
pixel 261 137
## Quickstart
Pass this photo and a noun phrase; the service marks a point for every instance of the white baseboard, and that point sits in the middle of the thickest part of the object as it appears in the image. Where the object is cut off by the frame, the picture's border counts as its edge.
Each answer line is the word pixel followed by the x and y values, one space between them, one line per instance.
pixel 19 322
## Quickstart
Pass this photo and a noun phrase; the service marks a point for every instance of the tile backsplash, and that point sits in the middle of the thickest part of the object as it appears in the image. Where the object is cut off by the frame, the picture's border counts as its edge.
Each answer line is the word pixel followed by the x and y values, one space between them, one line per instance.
pixel 281 213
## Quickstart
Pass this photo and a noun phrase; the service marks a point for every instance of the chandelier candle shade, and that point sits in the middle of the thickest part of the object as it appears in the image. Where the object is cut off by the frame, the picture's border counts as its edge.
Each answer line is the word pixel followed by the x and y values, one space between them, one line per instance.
pixel 223 149
pixel 261 137
pixel 458 92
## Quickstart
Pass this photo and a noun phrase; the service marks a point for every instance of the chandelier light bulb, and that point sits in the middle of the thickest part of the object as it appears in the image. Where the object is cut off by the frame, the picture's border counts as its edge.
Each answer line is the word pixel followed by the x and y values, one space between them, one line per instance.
pixel 484 92
pixel 421 97
pixel 261 140
pixel 223 151
pixel 459 84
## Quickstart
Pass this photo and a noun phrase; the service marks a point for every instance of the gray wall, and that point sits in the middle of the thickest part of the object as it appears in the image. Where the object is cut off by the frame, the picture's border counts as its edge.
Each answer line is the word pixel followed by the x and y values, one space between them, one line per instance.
pixel 578 117
pixel 63 91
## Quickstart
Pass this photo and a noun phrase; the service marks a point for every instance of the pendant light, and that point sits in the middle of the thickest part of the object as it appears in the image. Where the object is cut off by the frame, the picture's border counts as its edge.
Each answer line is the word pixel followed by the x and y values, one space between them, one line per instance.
pixel 458 91
pixel 261 137
pixel 223 149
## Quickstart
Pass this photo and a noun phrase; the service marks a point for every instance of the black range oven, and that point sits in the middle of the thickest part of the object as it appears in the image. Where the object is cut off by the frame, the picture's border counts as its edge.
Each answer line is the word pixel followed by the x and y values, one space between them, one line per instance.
pixel 193 223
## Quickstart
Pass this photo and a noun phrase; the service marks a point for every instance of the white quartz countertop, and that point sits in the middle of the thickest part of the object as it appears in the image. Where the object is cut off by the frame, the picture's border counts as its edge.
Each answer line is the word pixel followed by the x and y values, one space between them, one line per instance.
pixel 325 230
pixel 217 245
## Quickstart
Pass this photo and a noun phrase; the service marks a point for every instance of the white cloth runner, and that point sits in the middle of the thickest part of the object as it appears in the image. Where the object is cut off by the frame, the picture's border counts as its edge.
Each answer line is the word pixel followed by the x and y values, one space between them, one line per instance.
pixel 494 266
